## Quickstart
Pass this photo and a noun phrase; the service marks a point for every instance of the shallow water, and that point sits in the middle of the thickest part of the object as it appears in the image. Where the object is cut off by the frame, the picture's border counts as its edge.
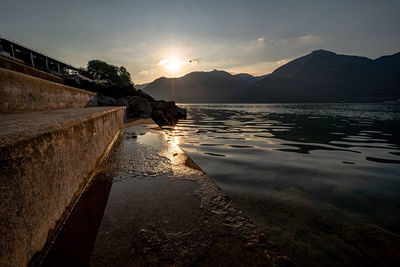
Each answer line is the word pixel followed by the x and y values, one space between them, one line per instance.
pixel 302 172
pixel 148 204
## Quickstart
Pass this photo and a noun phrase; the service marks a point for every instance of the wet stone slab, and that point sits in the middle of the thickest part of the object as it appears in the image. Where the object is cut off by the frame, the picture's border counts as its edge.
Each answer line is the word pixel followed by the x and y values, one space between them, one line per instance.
pixel 151 205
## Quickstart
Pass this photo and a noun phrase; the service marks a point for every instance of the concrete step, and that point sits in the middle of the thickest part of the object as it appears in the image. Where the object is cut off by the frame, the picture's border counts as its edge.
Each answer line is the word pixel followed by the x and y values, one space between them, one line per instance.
pixel 22 92
pixel 46 159
pixel 4 56
pixel 18 65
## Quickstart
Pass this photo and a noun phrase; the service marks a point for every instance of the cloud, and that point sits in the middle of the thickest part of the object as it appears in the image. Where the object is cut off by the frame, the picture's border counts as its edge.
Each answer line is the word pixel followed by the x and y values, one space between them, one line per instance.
pixel 308 39
pixel 144 72
pixel 260 68
pixel 282 61
pixel 302 40
pixel 258 43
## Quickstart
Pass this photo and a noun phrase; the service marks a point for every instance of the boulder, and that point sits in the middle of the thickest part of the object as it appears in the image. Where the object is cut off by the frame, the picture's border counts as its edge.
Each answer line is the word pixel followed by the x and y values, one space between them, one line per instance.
pixel 138 103
pixel 162 112
pixel 167 112
pixel 136 106
pixel 181 113
pixel 103 100
pixel 161 119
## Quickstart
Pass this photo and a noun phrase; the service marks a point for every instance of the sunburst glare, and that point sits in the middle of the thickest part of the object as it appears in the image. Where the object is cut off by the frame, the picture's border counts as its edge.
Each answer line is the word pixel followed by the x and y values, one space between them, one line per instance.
pixel 172 64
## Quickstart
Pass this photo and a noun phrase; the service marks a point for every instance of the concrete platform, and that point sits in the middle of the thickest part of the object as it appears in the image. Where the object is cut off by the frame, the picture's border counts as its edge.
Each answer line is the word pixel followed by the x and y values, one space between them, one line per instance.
pixel 46 159
pixel 22 92
pixel 18 65
pixel 149 204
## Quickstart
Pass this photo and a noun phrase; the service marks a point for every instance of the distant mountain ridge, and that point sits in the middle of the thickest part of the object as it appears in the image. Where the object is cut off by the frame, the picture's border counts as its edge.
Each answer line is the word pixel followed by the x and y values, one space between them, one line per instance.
pixel 141 86
pixel 321 76
pixel 213 86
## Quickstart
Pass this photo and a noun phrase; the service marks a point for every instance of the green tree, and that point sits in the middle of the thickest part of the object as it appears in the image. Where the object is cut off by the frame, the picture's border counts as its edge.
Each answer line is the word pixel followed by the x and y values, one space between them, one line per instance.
pixel 101 71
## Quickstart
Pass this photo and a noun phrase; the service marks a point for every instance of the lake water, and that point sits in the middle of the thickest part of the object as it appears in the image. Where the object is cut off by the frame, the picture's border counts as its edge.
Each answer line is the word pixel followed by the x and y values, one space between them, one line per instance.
pixel 318 179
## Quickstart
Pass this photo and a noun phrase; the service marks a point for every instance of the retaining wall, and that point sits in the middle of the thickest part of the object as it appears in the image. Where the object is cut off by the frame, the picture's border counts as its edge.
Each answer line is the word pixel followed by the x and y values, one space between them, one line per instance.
pixel 41 174
pixel 18 65
pixel 19 91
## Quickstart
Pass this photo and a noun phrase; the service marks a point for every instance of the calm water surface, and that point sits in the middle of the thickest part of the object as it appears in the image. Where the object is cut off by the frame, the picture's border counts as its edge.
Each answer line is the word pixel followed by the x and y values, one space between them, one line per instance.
pixel 302 172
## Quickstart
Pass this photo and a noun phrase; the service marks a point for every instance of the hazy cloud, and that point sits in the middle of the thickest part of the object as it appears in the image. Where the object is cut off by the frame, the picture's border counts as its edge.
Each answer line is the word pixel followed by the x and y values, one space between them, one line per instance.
pixel 283 61
pixel 260 68
pixel 309 39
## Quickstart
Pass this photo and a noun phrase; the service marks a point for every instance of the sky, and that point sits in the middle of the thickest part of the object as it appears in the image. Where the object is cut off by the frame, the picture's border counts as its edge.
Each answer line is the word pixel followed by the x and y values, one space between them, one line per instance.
pixel 173 37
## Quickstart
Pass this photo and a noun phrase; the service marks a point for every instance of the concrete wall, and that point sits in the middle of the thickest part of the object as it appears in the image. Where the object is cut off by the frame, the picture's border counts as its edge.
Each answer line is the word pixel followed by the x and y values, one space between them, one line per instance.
pixel 41 176
pixel 19 66
pixel 4 56
pixel 19 92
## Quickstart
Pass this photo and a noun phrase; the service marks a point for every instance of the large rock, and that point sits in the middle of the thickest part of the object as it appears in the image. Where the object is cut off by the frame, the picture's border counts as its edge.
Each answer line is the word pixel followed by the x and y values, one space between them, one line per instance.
pixel 136 106
pixel 162 112
pixel 181 113
pixel 167 113
pixel 138 103
pixel 103 100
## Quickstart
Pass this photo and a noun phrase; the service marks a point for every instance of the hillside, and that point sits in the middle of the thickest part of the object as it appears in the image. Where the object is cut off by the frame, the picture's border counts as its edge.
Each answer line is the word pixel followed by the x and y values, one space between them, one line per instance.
pixel 320 76
pixel 213 86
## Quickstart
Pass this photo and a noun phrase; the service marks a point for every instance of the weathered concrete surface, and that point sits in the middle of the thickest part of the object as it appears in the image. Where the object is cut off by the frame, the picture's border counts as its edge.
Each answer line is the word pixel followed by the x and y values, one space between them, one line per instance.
pixel 45 161
pixel 161 209
pixel 19 66
pixel 19 91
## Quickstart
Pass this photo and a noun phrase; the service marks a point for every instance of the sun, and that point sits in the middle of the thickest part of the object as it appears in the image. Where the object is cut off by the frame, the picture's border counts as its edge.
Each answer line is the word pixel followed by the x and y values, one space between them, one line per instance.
pixel 171 64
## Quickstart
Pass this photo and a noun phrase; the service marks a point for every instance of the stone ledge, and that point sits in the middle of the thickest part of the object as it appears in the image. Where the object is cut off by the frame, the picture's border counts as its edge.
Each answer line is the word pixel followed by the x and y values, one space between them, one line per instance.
pixel 19 91
pixel 43 170
pixel 18 65
pixel 18 126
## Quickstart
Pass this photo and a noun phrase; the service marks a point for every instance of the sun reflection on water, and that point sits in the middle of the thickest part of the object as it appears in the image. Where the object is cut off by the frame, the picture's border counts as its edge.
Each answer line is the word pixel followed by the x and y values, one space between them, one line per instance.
pixel 174 133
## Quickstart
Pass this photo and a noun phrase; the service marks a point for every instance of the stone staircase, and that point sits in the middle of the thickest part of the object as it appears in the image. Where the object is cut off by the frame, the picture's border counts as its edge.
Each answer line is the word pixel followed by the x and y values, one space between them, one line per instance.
pixel 50 143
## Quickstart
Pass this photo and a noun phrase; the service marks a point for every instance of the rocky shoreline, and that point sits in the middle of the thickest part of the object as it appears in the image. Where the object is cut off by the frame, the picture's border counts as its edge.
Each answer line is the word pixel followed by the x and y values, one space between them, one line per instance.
pixel 143 105
pixel 138 103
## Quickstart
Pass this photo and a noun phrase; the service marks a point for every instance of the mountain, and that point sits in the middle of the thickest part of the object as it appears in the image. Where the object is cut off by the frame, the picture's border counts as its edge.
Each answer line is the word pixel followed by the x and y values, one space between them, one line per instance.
pixel 141 86
pixel 248 77
pixel 324 76
pixel 213 86
pixel 321 76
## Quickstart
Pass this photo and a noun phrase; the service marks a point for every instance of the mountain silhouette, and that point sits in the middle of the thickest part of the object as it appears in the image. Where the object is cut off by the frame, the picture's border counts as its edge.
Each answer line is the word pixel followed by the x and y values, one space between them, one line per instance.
pixel 213 86
pixel 321 76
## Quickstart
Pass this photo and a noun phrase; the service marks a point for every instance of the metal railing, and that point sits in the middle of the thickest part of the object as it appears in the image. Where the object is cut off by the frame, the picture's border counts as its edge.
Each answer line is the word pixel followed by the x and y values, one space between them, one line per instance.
pixel 34 58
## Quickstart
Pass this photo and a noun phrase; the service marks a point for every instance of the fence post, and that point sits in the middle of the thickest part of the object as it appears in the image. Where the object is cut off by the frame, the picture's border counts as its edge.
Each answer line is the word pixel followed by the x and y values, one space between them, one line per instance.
pixel 33 63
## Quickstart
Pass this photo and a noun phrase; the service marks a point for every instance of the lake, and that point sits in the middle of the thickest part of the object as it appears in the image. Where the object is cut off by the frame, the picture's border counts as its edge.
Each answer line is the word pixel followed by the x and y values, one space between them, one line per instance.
pixel 322 181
